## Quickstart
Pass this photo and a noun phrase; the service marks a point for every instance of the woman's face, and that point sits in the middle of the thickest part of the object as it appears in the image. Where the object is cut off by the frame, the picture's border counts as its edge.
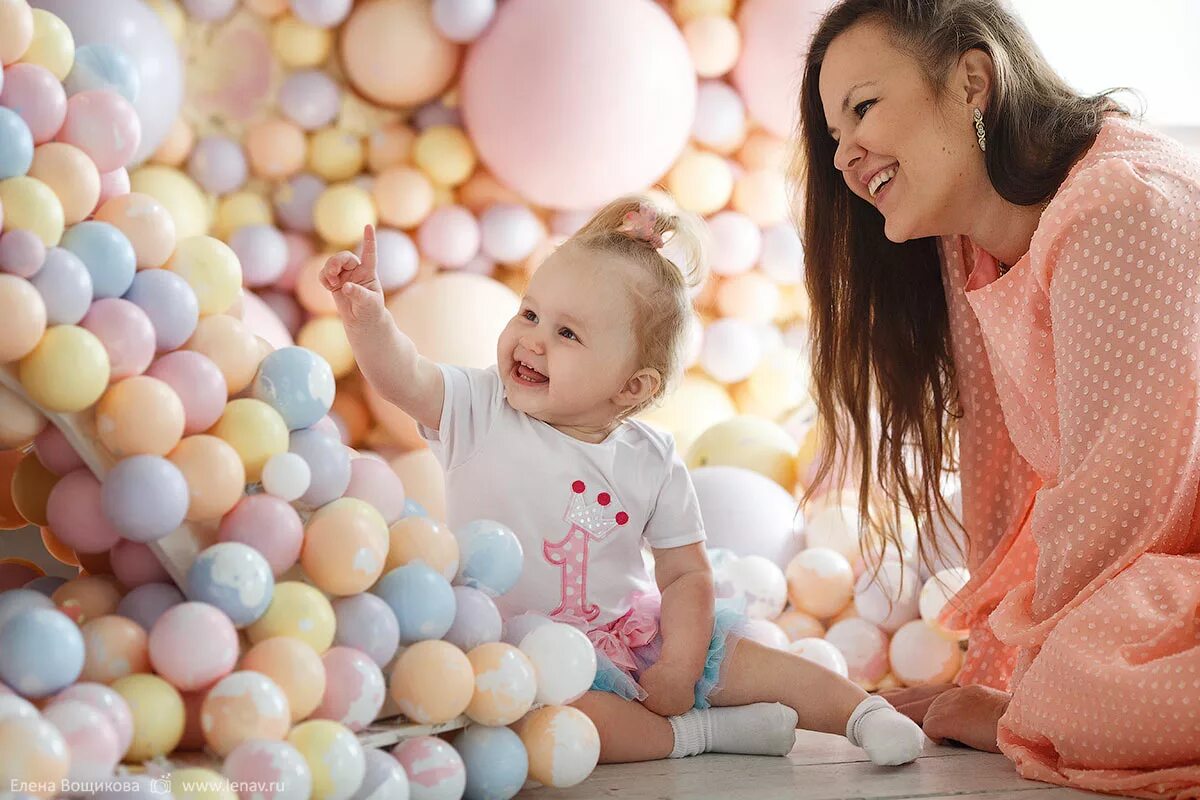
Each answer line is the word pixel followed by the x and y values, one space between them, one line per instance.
pixel 901 150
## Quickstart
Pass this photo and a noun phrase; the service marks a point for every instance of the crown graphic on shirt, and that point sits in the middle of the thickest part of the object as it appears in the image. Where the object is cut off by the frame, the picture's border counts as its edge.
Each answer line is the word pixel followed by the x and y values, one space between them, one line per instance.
pixel 598 517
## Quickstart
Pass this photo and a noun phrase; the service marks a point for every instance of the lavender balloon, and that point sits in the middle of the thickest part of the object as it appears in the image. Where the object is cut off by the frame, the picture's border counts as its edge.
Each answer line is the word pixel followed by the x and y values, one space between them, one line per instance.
pixel 310 98
pixel 321 13
pixel 295 199
pixel 65 286
pixel 218 164
pixel 170 304
pixel 263 253
pixel 328 460
pixel 145 604
pixel 144 497
pixel 476 620
pixel 366 623
pixel 396 257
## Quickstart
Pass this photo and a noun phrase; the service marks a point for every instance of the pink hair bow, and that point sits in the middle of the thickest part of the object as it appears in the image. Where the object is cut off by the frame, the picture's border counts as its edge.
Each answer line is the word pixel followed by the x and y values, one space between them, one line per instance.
pixel 640 224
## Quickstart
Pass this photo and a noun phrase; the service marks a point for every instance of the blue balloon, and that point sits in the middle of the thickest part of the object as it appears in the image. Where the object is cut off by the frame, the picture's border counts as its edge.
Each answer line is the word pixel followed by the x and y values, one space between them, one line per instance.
pixel 329 462
pixel 495 760
pixel 18 601
pixel 490 557
pixel 106 253
pixel 65 286
pixel 414 509
pixel 170 304
pixel 421 599
pixel 104 66
pixel 298 384
pixel 144 497
pixel 235 578
pixel 16 144
pixel 41 652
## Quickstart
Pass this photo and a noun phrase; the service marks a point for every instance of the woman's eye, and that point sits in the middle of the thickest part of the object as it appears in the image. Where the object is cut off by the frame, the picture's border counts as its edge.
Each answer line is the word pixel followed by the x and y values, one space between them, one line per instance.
pixel 529 315
pixel 567 333
pixel 862 107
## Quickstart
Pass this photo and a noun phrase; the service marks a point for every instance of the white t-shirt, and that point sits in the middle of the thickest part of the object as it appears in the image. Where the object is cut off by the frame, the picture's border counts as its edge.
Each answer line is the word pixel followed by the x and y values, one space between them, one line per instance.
pixel 580 510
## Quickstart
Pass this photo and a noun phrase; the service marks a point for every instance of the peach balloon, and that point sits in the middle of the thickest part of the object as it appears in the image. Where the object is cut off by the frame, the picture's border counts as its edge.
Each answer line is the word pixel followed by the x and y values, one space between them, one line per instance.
pixel 921 655
pixel 215 476
pixel 139 415
pixel 423 539
pixel 345 545
pixel 275 148
pixel 761 195
pixel 71 174
pixel 432 682
pixel 22 318
pixel 423 480
pixel 799 625
pixel 177 146
pixel 241 706
pixel 608 73
pixel 764 151
pixel 751 296
pixel 229 344
pixel 714 42
pixel 820 581
pixel 114 647
pixel 146 223
pixel 393 54
pixel 16 29
pixel 88 597
pixel 315 298
pixel 20 422
pixel 326 336
pixel 482 191
pixel 294 667
pixel 403 195
pixel 701 182
pixel 389 146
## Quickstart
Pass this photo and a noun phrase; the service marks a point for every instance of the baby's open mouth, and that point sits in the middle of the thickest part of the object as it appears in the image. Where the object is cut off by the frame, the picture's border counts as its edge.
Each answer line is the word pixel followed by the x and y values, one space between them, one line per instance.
pixel 527 374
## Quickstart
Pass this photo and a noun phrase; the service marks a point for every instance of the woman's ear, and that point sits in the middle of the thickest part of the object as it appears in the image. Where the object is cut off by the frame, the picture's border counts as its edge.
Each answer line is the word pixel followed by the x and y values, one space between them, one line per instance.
pixel 976 77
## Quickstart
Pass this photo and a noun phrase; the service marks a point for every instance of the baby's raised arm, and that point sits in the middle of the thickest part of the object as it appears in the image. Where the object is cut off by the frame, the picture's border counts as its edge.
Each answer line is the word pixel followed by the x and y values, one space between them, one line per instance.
pixel 389 360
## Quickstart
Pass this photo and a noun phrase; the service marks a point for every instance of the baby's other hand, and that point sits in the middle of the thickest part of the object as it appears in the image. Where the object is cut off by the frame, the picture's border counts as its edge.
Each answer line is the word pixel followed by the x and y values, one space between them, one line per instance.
pixel 670 691
pixel 354 283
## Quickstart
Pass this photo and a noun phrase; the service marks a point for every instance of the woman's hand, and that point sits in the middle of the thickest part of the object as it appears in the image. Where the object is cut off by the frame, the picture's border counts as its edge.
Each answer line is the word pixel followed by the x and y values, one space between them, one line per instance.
pixel 914 702
pixel 670 690
pixel 968 715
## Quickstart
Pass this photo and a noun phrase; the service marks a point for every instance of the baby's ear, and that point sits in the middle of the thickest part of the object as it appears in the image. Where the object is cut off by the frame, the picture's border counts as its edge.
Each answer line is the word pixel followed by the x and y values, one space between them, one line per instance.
pixel 640 388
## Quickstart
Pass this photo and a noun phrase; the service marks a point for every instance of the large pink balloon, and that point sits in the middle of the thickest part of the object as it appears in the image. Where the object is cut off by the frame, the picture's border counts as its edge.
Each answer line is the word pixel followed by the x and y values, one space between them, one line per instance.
pixel 775 36
pixel 133 26
pixel 573 102
pixel 263 321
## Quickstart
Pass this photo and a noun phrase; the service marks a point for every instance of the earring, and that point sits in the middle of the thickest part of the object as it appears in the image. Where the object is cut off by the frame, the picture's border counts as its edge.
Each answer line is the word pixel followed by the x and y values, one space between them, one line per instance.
pixel 980 133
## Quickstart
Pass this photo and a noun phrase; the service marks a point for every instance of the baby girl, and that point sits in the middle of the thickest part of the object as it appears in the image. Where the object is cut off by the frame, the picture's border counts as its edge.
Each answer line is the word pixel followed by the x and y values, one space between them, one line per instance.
pixel 545 442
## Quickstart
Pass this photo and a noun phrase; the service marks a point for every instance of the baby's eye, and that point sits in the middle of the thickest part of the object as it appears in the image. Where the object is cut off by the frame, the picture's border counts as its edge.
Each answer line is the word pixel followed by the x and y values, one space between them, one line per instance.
pixel 529 315
pixel 567 333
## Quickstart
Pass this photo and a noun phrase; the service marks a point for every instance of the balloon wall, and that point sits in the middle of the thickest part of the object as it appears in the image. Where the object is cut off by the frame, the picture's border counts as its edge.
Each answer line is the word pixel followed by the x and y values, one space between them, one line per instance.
pixel 263 566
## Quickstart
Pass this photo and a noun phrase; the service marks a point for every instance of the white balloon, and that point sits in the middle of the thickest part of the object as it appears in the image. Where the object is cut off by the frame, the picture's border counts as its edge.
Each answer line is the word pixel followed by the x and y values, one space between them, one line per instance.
pixel 518 627
pixel 766 633
pixel 737 243
pixel 936 593
pixel 821 652
pixel 16 707
pixel 865 649
pixel 760 584
pixel 462 20
pixel 510 232
pixel 720 115
pixel 564 659
pixel 920 655
pixel 731 350
pixel 748 513
pixel 782 258
pixel 286 476
pixel 888 599
pixel 836 527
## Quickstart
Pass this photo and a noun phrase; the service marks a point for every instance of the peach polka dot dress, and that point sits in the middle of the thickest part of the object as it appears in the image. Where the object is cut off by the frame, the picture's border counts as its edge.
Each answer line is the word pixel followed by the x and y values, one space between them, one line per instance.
pixel 1079 379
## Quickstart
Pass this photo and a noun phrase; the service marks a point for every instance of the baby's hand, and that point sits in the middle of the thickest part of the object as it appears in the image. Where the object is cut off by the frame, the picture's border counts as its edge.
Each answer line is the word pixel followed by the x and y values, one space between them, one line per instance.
pixel 355 283
pixel 670 691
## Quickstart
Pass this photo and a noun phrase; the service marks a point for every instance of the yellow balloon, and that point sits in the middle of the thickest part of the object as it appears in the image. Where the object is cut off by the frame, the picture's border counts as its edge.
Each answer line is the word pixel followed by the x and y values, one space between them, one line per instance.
pixel 197 783
pixel 179 194
pixel 335 154
pixel 701 182
pixel 326 336
pixel 299 611
pixel 694 407
pixel 158 715
pixel 172 15
pixel 685 10
pixel 445 154
pixel 317 740
pixel 239 209
pixel 299 44
pixel 751 443
pixel 33 206
pixel 254 430
pixel 67 371
pixel 53 46
pixel 341 213
pixel 211 268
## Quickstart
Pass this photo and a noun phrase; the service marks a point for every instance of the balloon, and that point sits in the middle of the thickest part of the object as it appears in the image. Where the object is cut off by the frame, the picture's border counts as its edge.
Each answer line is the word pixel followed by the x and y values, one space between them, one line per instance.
pixel 295 199
pixel 107 253
pixel 328 464
pixel 449 236
pixel 16 144
pixel 298 384
pixel 65 286
pixel 384 778
pixel 125 331
pixel 334 756
pixel 145 604
pixel 345 547
pixel 211 268
pixel 173 652
pixel 22 318
pixel 21 253
pixel 434 766
pixel 298 44
pixel 139 415
pixel 67 371
pixel 241 707
pixel 341 213
pixel 264 319
pixel 255 430
pixel 298 611
pixel 748 513
pixel 782 257
pixel 701 182
pixel 230 345
pixel 394 56
pixel 432 682
pixel 310 98
pixel 766 73
pixel 366 623
pixel 34 93
pixel 261 762
pixel 821 652
pixel 445 154
pixel 751 443
pixel 919 655
pixel 55 451
pixel 111 705
pixel 462 20
pixel 889 598
pixel 145 497
pixel 135 564
pixel 286 476
pixel 32 751
pixel 820 581
pixel 30 204
pixel 16 30
pixel 714 42
pixel 937 593
pixel 720 116
pixel 611 73
pixel 71 175
pixel 104 125
pixel 262 252
pixel 104 66
pixel 53 46
pixel 169 305
pixel 564 659
pixel 218 164
pixel 335 154
pixel 115 647
pixel 269 525
pixel 562 743
pixel 354 688
pixel 495 760
pixel 178 194
pixel 41 652
pixel 404 196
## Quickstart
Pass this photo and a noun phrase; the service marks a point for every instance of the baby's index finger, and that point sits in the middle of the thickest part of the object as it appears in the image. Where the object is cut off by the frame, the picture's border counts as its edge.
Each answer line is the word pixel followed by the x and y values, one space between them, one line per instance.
pixel 368 246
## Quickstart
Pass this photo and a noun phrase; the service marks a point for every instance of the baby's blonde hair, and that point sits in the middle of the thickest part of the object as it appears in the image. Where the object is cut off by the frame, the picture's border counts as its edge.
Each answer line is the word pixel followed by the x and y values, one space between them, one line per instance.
pixel 639 230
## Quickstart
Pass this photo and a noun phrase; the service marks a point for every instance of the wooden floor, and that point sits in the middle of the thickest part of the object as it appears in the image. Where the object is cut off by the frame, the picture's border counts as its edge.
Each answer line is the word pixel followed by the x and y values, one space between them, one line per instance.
pixel 821 767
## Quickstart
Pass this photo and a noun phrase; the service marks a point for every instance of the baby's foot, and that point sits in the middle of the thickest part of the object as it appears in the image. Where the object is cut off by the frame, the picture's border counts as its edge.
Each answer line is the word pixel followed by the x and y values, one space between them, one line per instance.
pixel 889 737
pixel 760 729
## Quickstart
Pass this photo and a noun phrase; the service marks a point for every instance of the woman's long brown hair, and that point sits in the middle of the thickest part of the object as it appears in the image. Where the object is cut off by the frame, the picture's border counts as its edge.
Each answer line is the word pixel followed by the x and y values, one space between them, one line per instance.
pixel 883 373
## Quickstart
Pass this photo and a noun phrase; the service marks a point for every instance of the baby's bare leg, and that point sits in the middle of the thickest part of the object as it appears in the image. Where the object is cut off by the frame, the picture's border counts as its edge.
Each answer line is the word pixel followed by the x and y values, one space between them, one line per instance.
pixel 754 673
pixel 628 730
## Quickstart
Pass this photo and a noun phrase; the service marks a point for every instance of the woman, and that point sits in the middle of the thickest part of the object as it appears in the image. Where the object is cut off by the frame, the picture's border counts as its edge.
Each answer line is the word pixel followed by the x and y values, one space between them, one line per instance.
pixel 1005 281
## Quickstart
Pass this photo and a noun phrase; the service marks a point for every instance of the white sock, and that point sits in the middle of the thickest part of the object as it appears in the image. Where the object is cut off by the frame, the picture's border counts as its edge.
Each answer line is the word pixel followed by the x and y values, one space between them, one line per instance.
pixel 889 737
pixel 761 729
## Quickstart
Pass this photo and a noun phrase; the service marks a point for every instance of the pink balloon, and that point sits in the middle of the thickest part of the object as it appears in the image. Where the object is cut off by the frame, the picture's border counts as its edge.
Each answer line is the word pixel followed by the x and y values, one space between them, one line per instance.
pixel 374 481
pixel 300 250
pixel 74 513
pixel 269 525
pixel 108 702
pixel 199 384
pixel 617 79
pixel 774 36
pixel 55 452
pixel 126 333
pixel 37 96
pixel 113 184
pixel 286 308
pixel 263 321
pixel 449 236
pixel 104 125
pixel 21 252
pixel 135 564
pixel 173 646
